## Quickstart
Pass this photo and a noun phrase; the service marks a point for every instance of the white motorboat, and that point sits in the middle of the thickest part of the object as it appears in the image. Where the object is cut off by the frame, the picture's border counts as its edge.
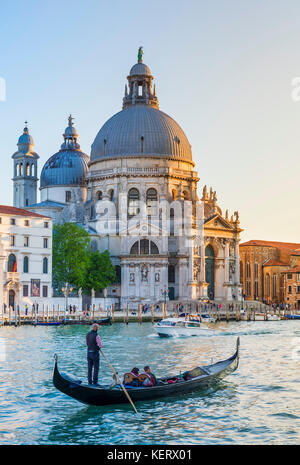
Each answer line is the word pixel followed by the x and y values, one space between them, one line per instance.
pixel 174 327
pixel 207 318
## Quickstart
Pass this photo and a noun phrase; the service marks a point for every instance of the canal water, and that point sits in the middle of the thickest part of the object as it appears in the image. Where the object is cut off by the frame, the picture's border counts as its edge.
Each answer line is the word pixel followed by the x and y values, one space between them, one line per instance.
pixel 257 404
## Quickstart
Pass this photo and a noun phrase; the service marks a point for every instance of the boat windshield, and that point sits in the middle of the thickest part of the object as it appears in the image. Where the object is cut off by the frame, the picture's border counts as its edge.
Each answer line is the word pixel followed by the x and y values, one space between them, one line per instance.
pixel 167 323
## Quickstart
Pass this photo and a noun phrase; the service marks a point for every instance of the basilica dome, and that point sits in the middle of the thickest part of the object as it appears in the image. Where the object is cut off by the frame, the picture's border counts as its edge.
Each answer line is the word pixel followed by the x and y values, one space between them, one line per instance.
pixel 69 166
pixel 141 129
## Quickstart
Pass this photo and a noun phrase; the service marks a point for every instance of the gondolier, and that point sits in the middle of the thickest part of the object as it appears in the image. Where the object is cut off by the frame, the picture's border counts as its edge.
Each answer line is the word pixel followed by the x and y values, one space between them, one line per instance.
pixel 94 344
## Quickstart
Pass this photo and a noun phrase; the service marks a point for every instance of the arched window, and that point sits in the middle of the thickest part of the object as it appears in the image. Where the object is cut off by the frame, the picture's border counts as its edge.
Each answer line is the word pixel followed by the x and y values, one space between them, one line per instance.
pixel 111 194
pixel 45 265
pixel 267 285
pixel 274 287
pixel 27 169
pixel 21 169
pixel 32 169
pixel 151 201
pixel 248 279
pixel 12 263
pixel 133 202
pixel 144 247
pixel 25 265
pixel 99 195
pixel 171 274
pixel 255 280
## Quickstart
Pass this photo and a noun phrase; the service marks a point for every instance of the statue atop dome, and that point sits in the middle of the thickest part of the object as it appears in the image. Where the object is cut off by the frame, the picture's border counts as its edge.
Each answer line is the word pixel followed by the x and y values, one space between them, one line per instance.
pixel 140 55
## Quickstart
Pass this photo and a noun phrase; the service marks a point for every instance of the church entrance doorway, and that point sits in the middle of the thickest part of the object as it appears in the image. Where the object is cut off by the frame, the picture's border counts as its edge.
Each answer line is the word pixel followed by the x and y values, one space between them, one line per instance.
pixel 210 271
pixel 171 293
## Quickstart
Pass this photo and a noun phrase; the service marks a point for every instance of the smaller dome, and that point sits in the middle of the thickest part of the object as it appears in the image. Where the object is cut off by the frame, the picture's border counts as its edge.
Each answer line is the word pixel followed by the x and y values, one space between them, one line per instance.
pixel 25 138
pixel 67 167
pixel 140 69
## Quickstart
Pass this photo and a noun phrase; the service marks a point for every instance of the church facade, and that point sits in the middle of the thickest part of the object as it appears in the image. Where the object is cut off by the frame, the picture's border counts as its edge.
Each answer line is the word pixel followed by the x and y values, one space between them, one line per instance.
pixel 137 197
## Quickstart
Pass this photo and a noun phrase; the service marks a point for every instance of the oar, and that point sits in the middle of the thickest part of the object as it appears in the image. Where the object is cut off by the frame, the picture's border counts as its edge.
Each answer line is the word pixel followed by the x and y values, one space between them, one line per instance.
pixel 115 373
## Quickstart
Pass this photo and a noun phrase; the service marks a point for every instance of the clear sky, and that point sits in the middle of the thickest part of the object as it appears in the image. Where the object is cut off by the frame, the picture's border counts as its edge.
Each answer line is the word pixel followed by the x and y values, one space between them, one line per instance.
pixel 223 71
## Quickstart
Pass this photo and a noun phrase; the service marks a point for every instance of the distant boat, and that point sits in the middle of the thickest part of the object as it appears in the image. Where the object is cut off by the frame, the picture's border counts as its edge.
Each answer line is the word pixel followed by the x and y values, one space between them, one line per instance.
pixel 49 323
pixel 290 317
pixel 173 327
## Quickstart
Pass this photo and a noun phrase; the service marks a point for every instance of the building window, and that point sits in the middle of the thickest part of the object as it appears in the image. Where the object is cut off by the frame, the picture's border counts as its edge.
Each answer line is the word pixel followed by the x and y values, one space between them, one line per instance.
pixel 25 290
pixel 289 276
pixel 68 196
pixel 12 263
pixel 171 274
pixel 25 265
pixel 46 224
pixel 151 201
pixel 298 276
pixel 27 169
pixel 171 221
pixel 45 265
pixel 118 273
pixel 12 240
pixel 111 194
pixel 298 289
pixel 144 247
pixel 12 221
pixel 99 195
pixel 26 222
pixel 289 289
pixel 267 285
pixel 248 280
pixel 45 291
pixel 133 202
pixel 26 241
pixel 26 202
pixel 255 280
pixel 45 243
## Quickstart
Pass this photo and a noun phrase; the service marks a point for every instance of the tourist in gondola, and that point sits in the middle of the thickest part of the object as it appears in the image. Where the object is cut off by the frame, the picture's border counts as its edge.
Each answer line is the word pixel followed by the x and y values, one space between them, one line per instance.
pixel 151 379
pixel 94 344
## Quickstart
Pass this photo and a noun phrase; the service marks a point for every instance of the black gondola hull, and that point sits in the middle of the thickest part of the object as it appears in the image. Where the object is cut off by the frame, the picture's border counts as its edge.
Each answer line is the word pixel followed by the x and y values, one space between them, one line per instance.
pixel 105 396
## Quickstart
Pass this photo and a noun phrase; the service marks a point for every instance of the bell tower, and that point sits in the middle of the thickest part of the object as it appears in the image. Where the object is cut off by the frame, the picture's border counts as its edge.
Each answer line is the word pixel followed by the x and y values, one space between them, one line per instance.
pixel 25 172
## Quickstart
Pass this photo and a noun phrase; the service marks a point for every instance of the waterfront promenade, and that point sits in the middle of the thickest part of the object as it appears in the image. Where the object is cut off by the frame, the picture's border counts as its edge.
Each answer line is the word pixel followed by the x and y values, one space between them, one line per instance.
pixel 225 312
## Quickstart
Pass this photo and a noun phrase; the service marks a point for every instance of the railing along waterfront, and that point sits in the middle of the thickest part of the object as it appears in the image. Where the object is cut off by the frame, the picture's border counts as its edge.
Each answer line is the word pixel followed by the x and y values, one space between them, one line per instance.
pixel 226 312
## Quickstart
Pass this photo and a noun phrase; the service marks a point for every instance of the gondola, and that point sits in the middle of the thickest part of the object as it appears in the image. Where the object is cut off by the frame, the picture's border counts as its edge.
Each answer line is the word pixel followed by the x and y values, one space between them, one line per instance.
pixel 187 382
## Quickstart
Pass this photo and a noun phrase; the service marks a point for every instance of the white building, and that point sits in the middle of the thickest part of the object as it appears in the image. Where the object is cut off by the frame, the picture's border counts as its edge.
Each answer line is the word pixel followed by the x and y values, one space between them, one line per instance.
pixel 134 195
pixel 25 257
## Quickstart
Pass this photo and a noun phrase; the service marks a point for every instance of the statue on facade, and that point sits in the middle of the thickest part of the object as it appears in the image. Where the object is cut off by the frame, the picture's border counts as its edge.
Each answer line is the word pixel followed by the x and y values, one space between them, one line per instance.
pixel 80 292
pixel 157 277
pixel 144 272
pixel 132 278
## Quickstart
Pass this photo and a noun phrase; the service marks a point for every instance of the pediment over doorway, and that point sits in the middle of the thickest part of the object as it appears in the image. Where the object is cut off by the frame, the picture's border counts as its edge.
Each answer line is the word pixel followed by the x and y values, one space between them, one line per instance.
pixel 218 222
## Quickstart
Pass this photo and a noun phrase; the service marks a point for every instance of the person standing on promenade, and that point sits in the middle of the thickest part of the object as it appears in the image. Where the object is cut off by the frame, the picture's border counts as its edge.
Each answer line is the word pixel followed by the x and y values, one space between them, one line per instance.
pixel 94 344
